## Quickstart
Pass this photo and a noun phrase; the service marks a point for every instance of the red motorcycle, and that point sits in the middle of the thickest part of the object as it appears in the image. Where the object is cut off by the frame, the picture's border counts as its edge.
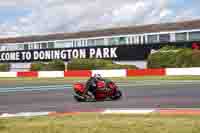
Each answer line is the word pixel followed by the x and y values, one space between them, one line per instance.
pixel 106 90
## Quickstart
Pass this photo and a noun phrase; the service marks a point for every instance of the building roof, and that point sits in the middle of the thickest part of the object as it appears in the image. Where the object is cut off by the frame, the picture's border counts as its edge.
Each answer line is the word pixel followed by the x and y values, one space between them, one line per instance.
pixel 151 28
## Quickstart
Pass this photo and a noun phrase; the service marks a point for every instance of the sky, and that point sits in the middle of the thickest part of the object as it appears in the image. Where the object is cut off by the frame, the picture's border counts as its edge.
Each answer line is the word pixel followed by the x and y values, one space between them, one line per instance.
pixel 31 17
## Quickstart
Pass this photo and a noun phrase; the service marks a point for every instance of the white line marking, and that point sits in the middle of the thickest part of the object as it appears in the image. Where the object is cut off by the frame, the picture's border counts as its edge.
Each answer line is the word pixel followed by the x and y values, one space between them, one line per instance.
pixel 128 111
pixel 24 114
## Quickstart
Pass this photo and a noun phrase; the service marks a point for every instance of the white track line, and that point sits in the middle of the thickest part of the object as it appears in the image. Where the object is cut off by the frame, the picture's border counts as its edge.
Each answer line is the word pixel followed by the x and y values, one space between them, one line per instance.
pixel 24 114
pixel 128 111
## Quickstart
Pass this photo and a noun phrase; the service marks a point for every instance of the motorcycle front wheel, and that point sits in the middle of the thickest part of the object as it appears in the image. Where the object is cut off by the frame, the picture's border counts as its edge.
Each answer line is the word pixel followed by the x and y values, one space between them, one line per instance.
pixel 117 95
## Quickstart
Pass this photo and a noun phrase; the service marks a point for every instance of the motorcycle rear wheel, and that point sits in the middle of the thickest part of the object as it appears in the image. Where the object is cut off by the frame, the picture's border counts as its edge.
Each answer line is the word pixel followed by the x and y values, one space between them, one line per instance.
pixel 79 98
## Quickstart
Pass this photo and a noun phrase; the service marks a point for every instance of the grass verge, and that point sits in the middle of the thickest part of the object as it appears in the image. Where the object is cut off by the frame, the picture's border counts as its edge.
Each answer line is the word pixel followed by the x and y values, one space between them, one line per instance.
pixel 95 123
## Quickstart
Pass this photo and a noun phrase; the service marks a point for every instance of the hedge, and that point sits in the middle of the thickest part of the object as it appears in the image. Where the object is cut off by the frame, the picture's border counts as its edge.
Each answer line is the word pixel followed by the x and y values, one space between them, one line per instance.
pixel 162 60
pixel 55 65
pixel 196 58
pixel 177 58
pixel 93 64
pixel 118 66
pixel 37 66
pixel 78 64
pixel 5 67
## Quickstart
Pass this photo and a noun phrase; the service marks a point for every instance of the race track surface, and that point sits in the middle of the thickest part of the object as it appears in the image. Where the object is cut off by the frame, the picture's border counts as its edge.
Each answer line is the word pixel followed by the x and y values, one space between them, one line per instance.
pixel 136 94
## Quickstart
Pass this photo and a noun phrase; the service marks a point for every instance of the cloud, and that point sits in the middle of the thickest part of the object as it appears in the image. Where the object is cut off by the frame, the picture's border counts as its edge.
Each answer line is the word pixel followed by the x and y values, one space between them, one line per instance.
pixel 19 3
pixel 49 16
pixel 165 13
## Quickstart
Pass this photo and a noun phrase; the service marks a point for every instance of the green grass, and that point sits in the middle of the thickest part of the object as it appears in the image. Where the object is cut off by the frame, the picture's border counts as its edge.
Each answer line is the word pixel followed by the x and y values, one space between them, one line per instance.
pixel 94 123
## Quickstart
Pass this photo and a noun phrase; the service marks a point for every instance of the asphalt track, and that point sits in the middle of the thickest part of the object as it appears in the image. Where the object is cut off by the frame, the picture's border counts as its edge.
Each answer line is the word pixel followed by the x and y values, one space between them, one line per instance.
pixel 136 94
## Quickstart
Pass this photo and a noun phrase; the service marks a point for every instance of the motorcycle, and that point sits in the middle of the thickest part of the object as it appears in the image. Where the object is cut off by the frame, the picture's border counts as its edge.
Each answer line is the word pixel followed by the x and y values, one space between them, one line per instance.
pixel 106 90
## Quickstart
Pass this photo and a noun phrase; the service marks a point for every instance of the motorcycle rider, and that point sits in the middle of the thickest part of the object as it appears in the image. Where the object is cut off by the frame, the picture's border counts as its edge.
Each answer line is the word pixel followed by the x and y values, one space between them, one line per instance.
pixel 91 85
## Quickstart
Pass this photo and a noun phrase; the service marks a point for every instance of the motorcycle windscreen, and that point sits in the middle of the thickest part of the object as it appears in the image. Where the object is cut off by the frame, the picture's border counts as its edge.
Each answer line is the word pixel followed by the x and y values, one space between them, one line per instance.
pixel 100 84
pixel 112 85
pixel 79 87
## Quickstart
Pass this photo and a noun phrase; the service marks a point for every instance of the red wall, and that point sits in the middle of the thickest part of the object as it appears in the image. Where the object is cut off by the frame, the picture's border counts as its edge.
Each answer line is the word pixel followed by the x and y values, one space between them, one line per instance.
pixel 27 74
pixel 146 72
pixel 78 73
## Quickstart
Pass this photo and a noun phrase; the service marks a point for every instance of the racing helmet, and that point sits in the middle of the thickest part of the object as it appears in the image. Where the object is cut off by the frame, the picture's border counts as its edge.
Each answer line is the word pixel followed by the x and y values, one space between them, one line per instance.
pixel 97 76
